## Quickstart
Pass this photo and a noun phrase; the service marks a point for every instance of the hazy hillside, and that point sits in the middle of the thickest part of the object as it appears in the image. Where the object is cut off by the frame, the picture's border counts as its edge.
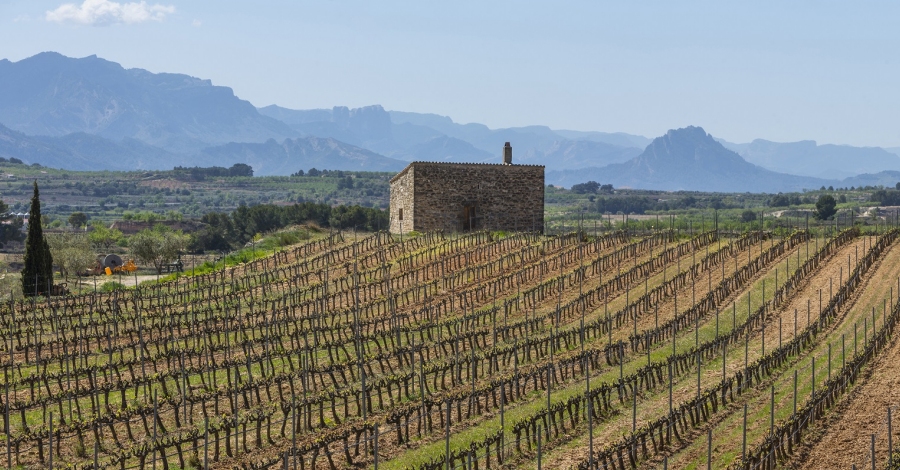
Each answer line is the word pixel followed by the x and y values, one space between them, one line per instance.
pixel 888 179
pixel 523 139
pixel 688 159
pixel 90 113
pixel 620 139
pixel 447 149
pixel 81 151
pixel 368 127
pixel 575 154
pixel 806 158
pixel 273 158
pixel 50 94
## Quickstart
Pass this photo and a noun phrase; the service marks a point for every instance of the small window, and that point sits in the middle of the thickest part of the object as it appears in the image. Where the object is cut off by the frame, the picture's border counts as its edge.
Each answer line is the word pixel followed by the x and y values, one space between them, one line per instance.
pixel 401 214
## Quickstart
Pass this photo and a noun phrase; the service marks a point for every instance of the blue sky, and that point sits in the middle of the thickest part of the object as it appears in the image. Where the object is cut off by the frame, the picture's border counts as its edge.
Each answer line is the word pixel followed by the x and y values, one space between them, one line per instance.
pixel 782 71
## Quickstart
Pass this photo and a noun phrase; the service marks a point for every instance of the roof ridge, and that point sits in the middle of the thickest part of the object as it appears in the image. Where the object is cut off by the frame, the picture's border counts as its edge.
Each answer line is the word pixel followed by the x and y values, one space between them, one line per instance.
pixel 405 169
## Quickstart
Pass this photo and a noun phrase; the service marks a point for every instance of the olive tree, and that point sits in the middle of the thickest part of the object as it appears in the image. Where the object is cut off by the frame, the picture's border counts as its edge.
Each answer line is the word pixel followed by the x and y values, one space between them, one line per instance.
pixel 157 246
pixel 104 237
pixel 10 283
pixel 78 219
pixel 72 252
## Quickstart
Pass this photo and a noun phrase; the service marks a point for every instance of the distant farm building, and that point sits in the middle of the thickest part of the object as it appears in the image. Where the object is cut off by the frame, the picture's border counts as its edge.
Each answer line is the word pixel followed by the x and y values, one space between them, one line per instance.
pixel 458 197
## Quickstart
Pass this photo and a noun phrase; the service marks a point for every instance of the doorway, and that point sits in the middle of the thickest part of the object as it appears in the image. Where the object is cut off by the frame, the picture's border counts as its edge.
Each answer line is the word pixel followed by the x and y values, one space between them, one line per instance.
pixel 468 218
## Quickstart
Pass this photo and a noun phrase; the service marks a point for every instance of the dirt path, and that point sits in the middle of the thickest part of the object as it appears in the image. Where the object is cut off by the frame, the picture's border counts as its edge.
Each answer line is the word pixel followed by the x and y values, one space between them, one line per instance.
pixel 864 413
pixel 828 279
pixel 728 428
pixel 568 454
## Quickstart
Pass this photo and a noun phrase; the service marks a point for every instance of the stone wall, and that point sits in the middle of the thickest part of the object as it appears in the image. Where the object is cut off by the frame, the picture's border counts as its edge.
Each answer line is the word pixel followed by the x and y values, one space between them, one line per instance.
pixel 461 196
pixel 402 200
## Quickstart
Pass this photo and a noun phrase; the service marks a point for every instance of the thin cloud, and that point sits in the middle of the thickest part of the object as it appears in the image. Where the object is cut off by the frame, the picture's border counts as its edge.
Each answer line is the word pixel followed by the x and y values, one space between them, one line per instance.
pixel 105 12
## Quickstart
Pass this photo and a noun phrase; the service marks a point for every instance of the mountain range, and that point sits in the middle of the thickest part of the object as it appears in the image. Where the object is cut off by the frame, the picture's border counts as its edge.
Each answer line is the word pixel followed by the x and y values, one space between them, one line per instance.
pixel 90 113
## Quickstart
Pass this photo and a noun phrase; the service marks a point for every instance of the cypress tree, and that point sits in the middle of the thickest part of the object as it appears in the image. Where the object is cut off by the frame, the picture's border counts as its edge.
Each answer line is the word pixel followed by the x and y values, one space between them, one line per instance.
pixel 37 274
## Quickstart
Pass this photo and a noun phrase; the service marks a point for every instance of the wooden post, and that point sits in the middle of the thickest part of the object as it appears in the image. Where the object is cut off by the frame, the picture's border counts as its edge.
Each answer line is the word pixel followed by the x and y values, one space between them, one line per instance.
pixel 670 395
pixel 634 411
pixel 155 419
pixel 206 444
pixel 795 391
pixel 590 420
pixel 772 412
pixel 699 364
pixel 744 441
pixel 6 425
pixel 447 437
pixel 51 430
pixel 724 350
pixel 376 446
pixel 293 430
pixel 890 440
pixel 873 452
pixel 502 420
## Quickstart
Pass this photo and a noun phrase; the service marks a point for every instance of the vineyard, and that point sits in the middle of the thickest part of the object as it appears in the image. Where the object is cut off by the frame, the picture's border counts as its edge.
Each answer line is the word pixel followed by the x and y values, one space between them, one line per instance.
pixel 615 350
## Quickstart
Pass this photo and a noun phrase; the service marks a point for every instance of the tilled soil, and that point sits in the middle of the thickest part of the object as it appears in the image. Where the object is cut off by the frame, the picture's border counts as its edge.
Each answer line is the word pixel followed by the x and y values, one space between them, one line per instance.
pixel 808 298
pixel 570 454
pixel 862 413
pixel 877 283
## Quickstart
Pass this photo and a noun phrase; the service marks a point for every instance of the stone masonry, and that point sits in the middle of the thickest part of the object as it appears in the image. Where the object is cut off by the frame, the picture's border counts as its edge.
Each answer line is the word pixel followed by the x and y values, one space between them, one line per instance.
pixel 456 197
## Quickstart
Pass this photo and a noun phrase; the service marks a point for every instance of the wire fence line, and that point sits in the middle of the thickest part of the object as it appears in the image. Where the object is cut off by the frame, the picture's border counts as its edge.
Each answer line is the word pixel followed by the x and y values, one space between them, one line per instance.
pixel 366 439
pixel 51 437
pixel 636 447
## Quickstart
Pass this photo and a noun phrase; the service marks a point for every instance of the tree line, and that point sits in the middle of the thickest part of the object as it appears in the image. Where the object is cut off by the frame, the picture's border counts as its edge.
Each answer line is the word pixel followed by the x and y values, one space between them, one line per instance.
pixel 197 173
pixel 225 231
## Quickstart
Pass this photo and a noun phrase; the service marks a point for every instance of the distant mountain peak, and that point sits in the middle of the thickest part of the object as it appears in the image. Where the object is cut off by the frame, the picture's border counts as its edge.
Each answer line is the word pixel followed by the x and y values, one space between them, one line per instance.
pixel 51 94
pixel 690 159
pixel 690 145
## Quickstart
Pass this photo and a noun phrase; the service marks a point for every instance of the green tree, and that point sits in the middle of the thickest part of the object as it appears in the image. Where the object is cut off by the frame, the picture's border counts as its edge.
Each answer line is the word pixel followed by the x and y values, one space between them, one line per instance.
pixel 825 207
pixel 590 187
pixel 10 225
pixel 157 246
pixel 78 219
pixel 748 216
pixel 9 283
pixel 37 273
pixel 104 237
pixel 72 252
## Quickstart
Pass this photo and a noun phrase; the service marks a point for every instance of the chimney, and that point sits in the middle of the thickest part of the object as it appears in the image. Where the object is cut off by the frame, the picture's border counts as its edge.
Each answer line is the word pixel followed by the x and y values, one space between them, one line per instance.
pixel 507 154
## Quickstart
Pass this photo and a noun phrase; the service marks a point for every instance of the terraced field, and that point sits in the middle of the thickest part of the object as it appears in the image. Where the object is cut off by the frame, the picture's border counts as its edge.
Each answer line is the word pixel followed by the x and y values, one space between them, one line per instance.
pixel 652 350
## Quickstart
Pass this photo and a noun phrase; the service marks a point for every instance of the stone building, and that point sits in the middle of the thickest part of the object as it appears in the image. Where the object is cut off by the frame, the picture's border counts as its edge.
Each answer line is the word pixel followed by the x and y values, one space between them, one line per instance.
pixel 458 197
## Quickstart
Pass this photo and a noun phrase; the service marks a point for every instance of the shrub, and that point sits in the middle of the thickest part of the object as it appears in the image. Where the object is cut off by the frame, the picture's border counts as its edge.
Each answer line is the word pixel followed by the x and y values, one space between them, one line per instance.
pixel 112 286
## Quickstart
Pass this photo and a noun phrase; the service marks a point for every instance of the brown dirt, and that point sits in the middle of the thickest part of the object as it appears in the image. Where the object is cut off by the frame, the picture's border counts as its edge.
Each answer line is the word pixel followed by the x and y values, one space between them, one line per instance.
pixel 686 387
pixel 881 275
pixel 650 407
pixel 808 297
pixel 862 414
